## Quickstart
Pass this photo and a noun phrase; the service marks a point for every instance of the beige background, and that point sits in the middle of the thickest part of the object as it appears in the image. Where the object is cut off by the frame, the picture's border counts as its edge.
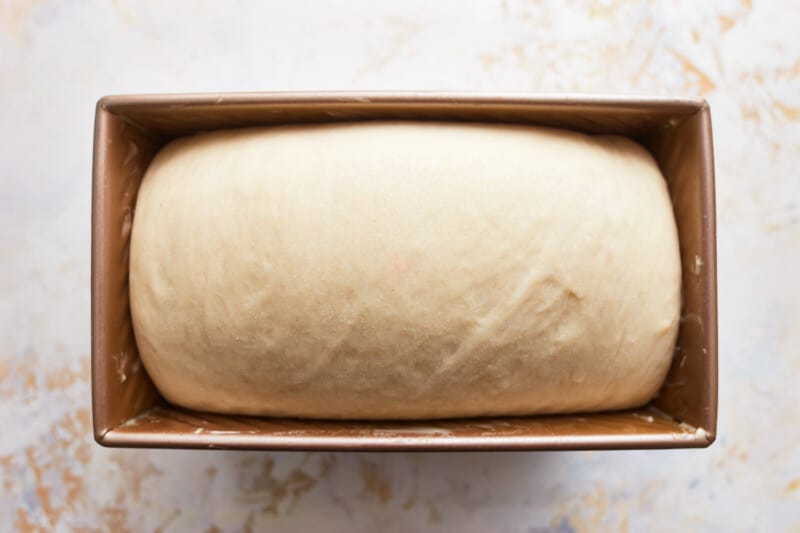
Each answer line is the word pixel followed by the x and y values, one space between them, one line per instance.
pixel 58 57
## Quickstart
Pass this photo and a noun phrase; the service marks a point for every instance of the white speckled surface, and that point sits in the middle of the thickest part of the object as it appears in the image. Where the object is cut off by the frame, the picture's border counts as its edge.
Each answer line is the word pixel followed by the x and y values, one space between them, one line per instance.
pixel 58 57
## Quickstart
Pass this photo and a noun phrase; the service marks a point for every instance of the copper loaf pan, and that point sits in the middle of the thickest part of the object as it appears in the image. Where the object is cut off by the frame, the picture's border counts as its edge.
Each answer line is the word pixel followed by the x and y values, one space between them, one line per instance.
pixel 128 410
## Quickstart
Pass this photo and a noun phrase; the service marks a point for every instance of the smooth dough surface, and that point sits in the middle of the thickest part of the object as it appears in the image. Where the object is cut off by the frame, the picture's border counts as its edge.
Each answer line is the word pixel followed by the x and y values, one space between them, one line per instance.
pixel 404 270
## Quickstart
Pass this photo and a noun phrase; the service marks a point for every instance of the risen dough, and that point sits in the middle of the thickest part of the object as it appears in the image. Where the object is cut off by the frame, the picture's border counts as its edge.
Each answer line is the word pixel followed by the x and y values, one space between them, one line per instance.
pixel 404 270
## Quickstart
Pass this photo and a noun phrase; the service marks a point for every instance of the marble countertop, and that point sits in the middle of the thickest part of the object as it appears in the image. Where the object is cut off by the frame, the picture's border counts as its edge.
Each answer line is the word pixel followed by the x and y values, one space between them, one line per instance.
pixel 58 57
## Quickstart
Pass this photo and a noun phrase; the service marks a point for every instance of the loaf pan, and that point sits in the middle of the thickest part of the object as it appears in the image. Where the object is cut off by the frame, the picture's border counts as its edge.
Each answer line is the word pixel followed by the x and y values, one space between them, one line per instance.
pixel 129 412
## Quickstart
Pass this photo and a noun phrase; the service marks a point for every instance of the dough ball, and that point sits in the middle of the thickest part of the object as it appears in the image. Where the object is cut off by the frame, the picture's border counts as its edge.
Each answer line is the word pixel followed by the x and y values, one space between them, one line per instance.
pixel 404 270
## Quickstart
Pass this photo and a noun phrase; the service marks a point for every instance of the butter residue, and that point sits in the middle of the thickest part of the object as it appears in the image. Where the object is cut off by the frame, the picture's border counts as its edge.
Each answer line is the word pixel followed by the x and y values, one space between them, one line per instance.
pixel 698 265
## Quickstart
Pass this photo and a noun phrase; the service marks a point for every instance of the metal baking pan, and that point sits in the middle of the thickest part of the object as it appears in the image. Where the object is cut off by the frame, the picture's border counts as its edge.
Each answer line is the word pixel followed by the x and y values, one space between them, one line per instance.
pixel 127 409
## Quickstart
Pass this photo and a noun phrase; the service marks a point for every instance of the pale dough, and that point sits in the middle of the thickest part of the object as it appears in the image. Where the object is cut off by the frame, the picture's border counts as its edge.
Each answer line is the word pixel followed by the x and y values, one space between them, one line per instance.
pixel 404 270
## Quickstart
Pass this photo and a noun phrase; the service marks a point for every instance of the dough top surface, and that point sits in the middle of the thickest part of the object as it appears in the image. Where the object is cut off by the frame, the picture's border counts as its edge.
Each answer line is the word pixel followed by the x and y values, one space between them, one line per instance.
pixel 404 270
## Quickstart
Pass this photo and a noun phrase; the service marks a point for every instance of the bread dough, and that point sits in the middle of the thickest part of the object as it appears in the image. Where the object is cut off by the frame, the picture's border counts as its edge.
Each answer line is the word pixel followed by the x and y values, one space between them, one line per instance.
pixel 404 270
